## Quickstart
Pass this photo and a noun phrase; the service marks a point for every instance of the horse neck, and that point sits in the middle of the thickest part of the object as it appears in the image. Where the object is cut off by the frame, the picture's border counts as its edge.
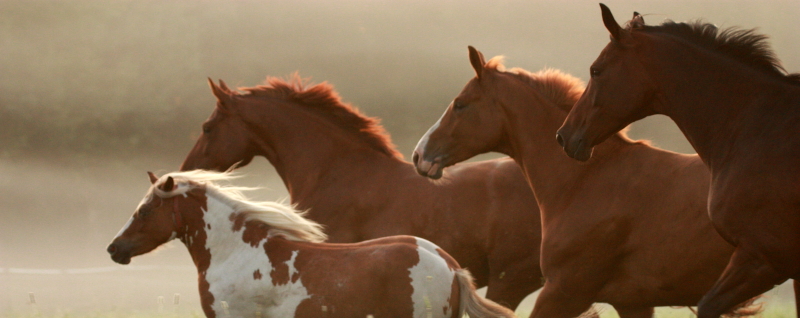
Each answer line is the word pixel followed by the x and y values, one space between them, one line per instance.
pixel 711 98
pixel 534 119
pixel 209 230
pixel 316 154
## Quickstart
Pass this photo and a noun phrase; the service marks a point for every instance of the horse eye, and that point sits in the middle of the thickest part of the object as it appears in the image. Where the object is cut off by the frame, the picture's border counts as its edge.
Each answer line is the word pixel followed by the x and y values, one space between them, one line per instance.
pixel 594 72
pixel 459 105
pixel 206 129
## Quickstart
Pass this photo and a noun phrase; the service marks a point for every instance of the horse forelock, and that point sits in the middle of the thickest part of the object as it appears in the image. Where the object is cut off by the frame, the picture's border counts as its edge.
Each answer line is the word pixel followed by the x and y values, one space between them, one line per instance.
pixel 743 45
pixel 282 219
pixel 322 99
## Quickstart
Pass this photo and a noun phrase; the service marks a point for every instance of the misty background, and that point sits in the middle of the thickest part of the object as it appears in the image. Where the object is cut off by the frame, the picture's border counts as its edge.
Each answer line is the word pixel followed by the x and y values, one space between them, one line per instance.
pixel 95 93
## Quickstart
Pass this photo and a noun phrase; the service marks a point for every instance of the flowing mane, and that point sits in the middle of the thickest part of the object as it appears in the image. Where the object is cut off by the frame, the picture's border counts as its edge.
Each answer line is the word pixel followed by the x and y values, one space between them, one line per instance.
pixel 282 219
pixel 743 45
pixel 562 89
pixel 323 100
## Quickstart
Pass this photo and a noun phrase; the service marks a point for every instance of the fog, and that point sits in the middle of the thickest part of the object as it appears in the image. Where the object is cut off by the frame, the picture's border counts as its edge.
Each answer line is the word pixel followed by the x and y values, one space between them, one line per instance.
pixel 93 94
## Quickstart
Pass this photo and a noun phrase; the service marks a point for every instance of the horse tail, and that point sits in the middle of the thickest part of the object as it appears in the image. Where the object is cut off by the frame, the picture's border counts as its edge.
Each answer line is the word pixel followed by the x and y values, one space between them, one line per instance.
pixel 746 309
pixel 476 306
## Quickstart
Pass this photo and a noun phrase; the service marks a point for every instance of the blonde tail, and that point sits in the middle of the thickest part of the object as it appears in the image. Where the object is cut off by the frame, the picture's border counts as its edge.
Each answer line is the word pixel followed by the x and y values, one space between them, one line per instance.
pixel 476 306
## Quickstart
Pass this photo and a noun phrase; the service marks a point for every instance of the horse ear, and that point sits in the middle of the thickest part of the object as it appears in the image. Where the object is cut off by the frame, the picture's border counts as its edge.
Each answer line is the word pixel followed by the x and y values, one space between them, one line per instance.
pixel 221 92
pixel 168 185
pixel 638 21
pixel 476 58
pixel 223 86
pixel 610 23
pixel 153 177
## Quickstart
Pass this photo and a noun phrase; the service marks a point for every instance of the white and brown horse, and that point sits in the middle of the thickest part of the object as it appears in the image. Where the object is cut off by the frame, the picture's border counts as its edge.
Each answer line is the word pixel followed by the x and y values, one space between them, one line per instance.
pixel 264 259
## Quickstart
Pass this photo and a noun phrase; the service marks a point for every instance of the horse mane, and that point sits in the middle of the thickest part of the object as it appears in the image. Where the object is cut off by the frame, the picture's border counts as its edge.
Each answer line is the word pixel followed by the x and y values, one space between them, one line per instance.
pixel 743 45
pixel 282 219
pixel 561 88
pixel 322 99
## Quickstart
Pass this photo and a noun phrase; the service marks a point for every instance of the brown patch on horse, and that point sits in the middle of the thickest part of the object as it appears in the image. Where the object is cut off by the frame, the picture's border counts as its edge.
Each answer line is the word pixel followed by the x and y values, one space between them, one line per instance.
pixel 195 240
pixel 254 232
pixel 322 99
pixel 278 256
pixel 455 297
pixel 257 274
pixel 451 262
pixel 327 288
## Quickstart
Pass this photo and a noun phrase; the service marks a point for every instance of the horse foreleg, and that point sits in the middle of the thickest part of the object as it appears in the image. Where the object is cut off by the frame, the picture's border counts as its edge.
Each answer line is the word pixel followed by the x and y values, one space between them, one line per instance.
pixel 512 285
pixel 554 302
pixel 638 312
pixel 746 276
pixel 797 297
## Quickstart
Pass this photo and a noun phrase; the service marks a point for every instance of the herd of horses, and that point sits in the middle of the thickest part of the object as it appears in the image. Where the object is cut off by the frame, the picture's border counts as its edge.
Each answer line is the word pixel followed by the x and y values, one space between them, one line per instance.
pixel 624 223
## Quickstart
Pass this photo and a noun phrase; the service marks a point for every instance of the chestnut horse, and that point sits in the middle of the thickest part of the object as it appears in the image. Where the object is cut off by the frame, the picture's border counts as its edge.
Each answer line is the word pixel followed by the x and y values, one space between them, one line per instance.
pixel 266 260
pixel 739 109
pixel 628 228
pixel 343 168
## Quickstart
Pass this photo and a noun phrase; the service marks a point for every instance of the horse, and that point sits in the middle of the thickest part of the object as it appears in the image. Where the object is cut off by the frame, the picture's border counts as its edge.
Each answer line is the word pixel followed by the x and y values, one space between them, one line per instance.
pixel 628 228
pixel 740 110
pixel 342 167
pixel 264 259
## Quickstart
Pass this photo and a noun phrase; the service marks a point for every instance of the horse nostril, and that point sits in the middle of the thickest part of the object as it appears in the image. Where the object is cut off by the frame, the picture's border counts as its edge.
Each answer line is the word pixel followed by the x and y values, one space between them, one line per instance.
pixel 112 249
pixel 415 157
pixel 560 139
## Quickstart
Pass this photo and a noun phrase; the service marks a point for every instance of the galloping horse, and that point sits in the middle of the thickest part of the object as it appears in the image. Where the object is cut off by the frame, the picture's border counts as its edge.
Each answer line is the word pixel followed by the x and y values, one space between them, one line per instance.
pixel 341 167
pixel 739 109
pixel 628 228
pixel 266 260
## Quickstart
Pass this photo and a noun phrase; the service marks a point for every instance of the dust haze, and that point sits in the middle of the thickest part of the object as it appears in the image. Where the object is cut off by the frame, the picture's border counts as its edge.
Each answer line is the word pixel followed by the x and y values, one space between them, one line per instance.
pixel 93 94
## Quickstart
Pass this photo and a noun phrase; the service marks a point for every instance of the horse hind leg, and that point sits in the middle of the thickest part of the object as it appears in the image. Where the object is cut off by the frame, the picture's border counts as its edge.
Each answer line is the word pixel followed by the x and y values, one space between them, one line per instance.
pixel 635 312
pixel 746 276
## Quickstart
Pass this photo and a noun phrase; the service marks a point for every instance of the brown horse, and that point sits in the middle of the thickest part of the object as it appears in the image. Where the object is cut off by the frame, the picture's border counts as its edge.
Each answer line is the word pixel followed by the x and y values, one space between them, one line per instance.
pixel 342 166
pixel 739 109
pixel 628 228
pixel 265 258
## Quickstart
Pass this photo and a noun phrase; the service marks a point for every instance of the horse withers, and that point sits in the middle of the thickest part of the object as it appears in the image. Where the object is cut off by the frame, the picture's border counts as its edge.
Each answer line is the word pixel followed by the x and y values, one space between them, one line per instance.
pixel 264 259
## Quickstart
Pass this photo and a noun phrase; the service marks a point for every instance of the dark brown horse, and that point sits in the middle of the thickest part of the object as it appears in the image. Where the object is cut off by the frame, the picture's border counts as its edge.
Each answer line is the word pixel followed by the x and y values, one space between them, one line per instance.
pixel 342 166
pixel 739 109
pixel 628 228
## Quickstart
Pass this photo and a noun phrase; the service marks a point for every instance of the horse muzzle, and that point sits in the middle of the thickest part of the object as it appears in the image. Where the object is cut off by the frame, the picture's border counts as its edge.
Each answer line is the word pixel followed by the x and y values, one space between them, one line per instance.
pixel 431 168
pixel 120 252
pixel 575 145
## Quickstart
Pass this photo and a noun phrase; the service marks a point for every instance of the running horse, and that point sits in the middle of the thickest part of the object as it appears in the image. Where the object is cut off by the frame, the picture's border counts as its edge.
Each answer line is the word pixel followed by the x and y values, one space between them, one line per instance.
pixel 342 167
pixel 628 228
pixel 728 93
pixel 264 259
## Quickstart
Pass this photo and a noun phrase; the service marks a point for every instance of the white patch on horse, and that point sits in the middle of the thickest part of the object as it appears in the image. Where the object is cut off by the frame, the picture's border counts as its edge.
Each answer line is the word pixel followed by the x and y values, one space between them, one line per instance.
pixel 124 227
pixel 233 262
pixel 424 140
pixel 290 264
pixel 432 281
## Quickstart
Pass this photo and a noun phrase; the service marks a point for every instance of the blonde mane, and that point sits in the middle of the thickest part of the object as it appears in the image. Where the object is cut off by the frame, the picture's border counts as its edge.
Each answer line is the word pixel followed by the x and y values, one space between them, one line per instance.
pixel 282 219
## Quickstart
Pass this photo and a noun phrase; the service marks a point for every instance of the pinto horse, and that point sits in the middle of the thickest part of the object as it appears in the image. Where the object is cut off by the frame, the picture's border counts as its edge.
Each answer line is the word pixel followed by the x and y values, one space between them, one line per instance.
pixel 342 167
pixel 266 260
pixel 736 105
pixel 628 228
